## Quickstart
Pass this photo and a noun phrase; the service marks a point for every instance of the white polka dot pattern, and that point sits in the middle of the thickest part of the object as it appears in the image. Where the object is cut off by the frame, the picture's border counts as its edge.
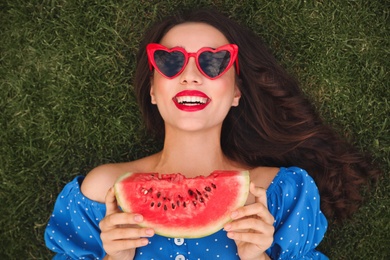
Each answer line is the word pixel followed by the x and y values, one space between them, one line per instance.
pixel 292 198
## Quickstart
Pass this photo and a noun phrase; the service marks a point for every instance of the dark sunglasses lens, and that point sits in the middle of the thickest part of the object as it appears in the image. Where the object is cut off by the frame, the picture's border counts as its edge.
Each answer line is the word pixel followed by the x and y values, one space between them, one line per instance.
pixel 169 63
pixel 213 64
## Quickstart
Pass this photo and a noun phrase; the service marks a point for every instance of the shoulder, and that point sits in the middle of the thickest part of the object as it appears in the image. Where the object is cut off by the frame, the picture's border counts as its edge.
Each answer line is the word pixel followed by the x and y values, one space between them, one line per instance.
pixel 99 180
pixel 292 178
pixel 293 190
pixel 263 176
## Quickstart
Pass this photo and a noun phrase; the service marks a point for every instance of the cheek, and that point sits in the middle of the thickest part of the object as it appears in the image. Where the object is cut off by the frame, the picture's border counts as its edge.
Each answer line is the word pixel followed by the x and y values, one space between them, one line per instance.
pixel 159 87
pixel 227 85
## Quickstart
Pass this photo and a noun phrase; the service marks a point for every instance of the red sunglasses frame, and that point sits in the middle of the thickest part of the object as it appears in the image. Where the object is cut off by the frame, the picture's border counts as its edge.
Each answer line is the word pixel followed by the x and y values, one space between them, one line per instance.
pixel 151 48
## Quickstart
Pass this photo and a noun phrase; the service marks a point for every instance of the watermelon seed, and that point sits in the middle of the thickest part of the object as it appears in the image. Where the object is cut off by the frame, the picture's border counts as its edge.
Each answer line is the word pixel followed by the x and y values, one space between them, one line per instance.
pixel 184 204
pixel 173 206
pixel 158 194
pixel 198 192
pixel 194 202
pixel 152 204
pixel 201 200
pixel 193 194
pixel 165 207
pixel 213 185
pixel 207 188
pixel 159 204
pixel 178 203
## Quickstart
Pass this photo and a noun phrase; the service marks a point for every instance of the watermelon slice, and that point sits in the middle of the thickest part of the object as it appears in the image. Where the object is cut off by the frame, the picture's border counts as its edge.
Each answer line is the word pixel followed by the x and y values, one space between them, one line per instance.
pixel 176 206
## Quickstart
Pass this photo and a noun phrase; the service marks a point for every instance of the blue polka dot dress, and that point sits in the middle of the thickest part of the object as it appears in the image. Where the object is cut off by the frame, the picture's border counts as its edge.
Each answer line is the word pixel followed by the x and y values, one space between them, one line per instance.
pixel 292 198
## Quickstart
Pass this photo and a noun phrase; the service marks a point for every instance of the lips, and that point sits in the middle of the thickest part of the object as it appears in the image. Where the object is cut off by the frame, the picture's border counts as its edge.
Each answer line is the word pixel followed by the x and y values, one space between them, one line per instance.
pixel 191 100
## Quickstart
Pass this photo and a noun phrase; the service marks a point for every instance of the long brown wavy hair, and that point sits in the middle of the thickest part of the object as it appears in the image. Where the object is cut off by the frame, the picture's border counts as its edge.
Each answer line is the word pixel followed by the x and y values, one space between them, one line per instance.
pixel 275 124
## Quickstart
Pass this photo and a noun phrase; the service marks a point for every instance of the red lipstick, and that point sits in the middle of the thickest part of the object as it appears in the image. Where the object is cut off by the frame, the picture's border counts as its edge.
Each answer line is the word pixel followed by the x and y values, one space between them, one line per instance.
pixel 191 100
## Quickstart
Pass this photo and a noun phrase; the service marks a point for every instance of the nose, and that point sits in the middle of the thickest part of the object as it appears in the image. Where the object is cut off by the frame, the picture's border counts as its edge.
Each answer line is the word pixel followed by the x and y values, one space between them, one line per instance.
pixel 191 74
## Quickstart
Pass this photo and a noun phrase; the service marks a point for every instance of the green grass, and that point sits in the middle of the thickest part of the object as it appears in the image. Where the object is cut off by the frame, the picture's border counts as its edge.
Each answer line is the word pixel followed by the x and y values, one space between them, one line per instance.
pixel 67 105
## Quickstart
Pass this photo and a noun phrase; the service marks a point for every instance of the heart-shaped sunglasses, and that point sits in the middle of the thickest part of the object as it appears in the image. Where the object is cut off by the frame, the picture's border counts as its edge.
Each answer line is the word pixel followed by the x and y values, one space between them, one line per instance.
pixel 212 63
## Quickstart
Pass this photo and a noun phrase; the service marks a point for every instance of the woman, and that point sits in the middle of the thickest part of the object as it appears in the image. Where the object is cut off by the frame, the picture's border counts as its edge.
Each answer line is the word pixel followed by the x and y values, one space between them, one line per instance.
pixel 243 114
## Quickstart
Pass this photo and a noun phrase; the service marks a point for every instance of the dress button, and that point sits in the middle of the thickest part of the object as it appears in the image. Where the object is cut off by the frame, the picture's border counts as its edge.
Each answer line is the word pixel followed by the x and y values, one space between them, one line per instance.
pixel 179 241
pixel 180 257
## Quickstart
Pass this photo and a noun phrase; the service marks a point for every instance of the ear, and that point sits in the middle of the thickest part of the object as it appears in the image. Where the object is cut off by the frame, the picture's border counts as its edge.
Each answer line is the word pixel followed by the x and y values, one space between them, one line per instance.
pixel 237 96
pixel 152 96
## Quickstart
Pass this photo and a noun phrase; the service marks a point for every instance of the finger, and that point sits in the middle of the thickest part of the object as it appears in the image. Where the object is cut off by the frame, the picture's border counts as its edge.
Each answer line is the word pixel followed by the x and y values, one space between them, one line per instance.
pixel 250 224
pixel 111 203
pixel 260 240
pixel 120 219
pixel 126 233
pixel 259 193
pixel 122 245
pixel 257 209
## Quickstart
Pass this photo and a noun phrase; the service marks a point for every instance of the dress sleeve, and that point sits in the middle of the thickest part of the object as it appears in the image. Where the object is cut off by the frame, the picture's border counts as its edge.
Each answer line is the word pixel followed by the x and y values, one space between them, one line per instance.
pixel 73 229
pixel 293 199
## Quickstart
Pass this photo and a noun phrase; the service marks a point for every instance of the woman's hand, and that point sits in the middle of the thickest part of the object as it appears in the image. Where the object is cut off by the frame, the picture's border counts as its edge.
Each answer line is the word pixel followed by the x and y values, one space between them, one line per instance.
pixel 119 233
pixel 252 227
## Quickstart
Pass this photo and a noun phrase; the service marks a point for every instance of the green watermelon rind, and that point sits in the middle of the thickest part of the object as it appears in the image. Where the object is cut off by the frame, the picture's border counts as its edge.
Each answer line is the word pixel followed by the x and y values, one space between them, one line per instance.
pixel 191 232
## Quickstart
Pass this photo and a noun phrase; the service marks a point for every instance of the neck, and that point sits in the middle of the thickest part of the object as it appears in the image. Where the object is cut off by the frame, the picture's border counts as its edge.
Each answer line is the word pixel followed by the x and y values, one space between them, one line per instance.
pixel 192 153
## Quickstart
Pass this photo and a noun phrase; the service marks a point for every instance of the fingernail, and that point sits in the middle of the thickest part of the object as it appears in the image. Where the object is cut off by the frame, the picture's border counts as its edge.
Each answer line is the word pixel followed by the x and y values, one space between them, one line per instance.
pixel 149 232
pixel 145 242
pixel 234 214
pixel 230 235
pixel 138 218
pixel 228 227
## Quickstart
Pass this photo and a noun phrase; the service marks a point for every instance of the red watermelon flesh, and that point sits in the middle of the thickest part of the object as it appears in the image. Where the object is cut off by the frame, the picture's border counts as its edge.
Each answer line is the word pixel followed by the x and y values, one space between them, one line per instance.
pixel 176 206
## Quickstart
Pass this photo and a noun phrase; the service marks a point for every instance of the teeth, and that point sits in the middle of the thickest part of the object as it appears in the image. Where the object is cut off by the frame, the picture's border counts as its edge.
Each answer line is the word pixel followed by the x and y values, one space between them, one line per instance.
pixel 191 100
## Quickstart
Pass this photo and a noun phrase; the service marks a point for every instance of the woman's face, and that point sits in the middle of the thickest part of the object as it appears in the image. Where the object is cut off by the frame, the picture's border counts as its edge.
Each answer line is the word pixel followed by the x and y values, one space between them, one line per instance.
pixel 175 97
